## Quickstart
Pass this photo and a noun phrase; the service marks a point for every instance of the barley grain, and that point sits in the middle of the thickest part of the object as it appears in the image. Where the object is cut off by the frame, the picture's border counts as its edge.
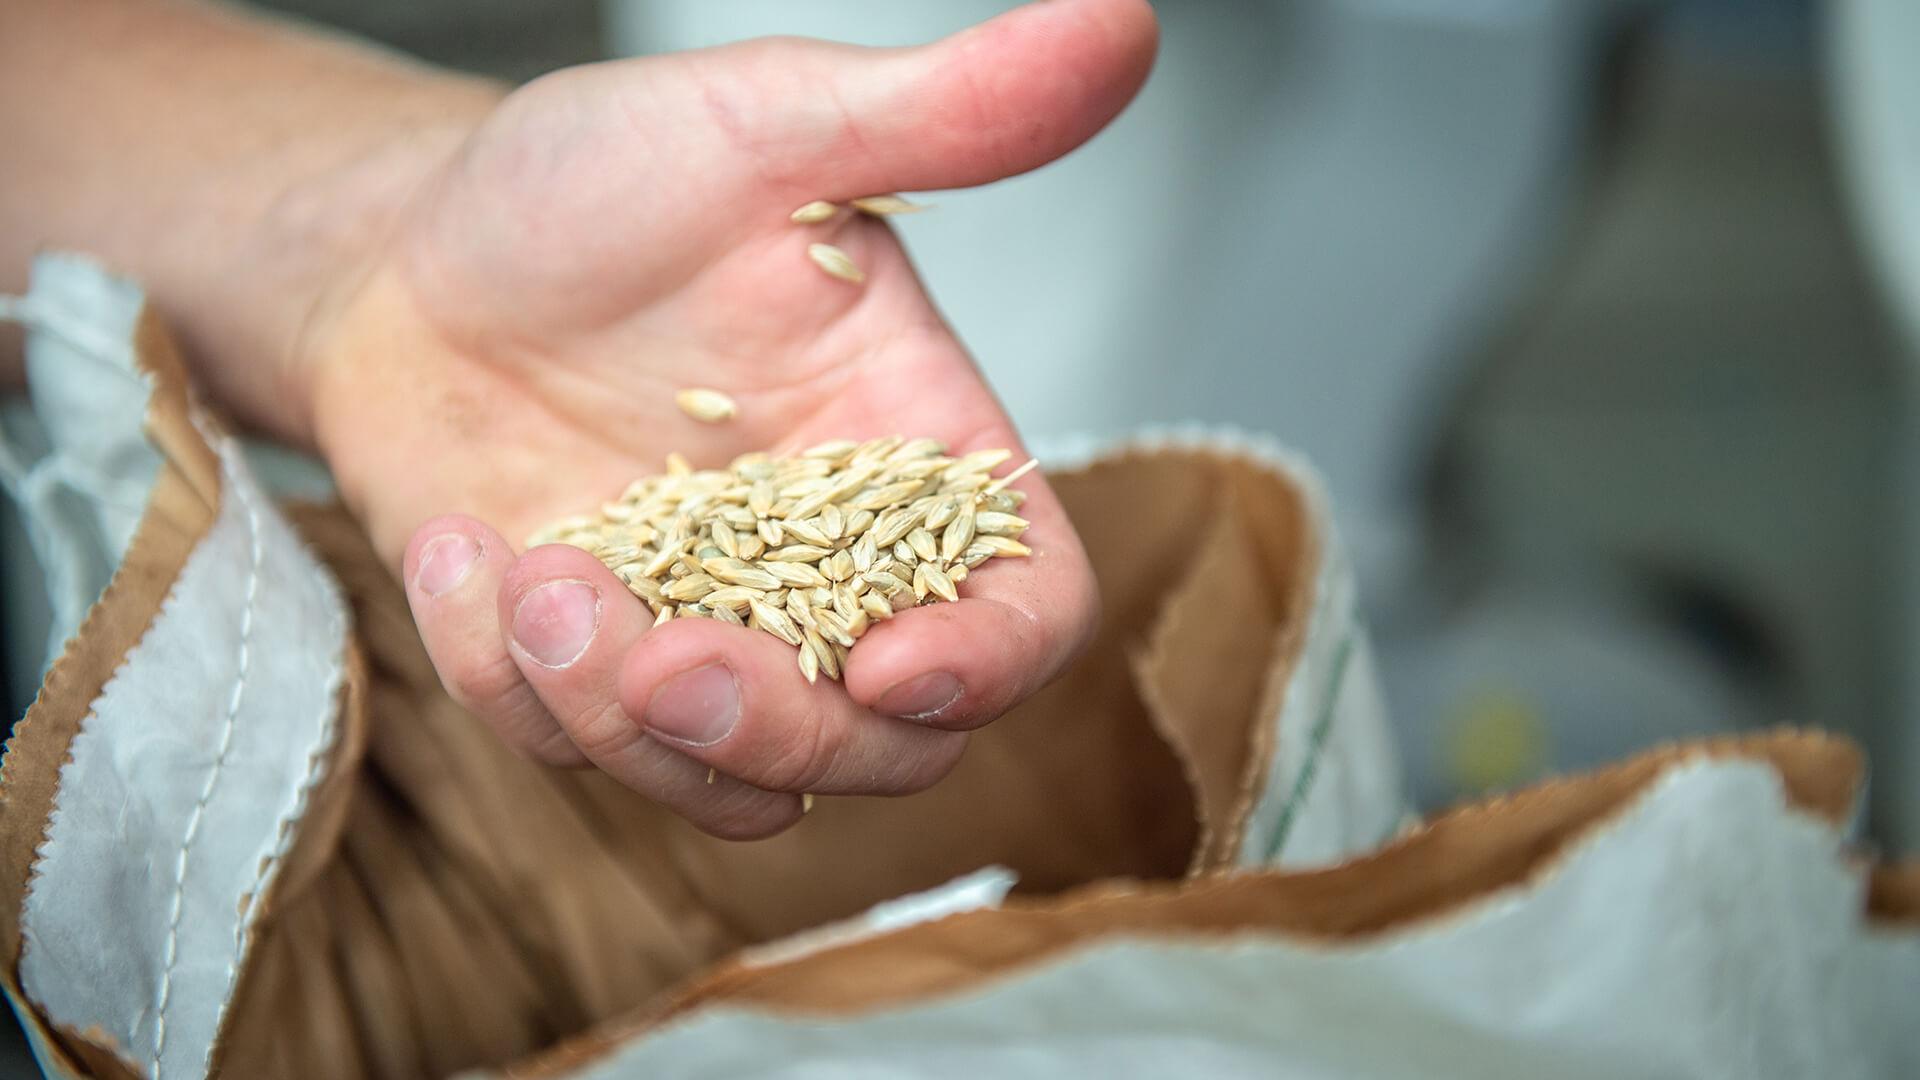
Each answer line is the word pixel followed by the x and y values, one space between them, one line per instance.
pixel 809 532
pixel 691 587
pixel 864 551
pixel 995 523
pixel 939 583
pixel 735 598
pixel 812 549
pixel 706 405
pixel 959 533
pixel 813 213
pixel 831 450
pixel 979 461
pixel 774 621
pixel 832 626
pixel 943 511
pixel 1000 547
pixel 799 574
pixel 835 262
pixel 885 205
pixel 828 663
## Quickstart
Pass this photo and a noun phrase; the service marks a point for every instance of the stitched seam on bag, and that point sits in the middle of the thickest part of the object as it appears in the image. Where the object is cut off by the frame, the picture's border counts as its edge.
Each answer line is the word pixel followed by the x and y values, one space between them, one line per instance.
pixel 332 707
pixel 171 951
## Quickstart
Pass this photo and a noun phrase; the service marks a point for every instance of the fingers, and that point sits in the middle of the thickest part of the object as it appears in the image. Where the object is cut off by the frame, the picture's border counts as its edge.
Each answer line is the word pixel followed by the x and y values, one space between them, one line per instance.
pixel 454 567
pixel 1001 98
pixel 735 699
pixel 1004 97
pixel 578 676
pixel 570 625
pixel 1019 622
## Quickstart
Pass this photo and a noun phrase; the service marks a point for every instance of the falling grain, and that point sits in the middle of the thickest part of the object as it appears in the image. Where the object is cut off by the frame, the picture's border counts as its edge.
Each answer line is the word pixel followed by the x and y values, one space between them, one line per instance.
pixel 835 262
pixel 885 205
pixel 813 213
pixel 705 405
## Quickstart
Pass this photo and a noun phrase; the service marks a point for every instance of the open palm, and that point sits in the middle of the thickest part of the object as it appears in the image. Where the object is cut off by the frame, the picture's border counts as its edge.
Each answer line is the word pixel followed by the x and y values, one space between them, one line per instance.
pixel 616 232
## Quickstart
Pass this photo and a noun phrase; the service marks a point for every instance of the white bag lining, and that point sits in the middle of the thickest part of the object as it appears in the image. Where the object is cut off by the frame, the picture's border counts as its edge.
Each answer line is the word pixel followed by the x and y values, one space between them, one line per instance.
pixel 186 779
pixel 1708 931
pixel 183 785
pixel 242 664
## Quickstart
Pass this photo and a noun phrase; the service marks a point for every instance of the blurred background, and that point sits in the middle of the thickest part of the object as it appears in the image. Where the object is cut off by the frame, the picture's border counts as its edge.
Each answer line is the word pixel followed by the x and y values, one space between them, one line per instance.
pixel 1597 315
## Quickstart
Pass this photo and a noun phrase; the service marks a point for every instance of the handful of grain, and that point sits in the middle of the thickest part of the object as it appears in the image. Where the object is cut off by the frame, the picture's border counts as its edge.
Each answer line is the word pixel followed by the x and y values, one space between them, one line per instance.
pixel 812 549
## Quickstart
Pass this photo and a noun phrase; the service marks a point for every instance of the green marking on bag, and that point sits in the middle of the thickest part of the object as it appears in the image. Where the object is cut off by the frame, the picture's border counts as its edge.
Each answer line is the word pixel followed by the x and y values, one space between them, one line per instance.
pixel 1317 741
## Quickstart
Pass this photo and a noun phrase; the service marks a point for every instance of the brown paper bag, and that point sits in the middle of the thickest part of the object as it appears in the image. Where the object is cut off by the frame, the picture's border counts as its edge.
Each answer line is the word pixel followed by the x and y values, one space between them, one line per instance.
pixel 198 877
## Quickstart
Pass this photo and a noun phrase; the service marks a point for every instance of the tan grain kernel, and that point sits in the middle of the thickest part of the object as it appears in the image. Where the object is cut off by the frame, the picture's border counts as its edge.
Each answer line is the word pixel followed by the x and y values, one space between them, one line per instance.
pixel 885 205
pixel 835 262
pixel 813 213
pixel 706 405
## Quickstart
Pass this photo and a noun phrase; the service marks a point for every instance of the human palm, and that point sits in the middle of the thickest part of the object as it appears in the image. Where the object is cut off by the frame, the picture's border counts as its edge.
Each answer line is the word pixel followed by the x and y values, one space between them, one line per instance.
pixel 617 232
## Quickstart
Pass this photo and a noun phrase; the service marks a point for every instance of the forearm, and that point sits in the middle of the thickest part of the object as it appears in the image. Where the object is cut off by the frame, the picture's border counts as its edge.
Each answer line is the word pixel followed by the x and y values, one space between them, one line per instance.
pixel 234 164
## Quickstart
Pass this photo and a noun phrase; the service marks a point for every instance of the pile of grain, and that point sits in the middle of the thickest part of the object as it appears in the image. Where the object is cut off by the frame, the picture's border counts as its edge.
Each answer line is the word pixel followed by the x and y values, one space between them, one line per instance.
pixel 812 549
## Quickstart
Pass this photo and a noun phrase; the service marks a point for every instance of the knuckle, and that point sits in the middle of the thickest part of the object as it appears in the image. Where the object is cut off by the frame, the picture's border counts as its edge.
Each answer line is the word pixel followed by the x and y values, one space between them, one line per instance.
pixel 520 721
pixel 933 759
pixel 550 746
pixel 601 729
pixel 480 680
pixel 802 752
pixel 744 814
pixel 937 756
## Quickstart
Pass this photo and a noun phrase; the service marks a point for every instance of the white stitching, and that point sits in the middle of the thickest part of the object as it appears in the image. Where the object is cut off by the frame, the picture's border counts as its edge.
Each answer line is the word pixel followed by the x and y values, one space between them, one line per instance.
pixel 171 952
pixel 331 708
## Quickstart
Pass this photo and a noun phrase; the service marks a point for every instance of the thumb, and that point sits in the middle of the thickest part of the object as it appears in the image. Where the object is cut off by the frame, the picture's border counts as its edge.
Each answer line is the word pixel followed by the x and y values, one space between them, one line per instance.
pixel 1001 98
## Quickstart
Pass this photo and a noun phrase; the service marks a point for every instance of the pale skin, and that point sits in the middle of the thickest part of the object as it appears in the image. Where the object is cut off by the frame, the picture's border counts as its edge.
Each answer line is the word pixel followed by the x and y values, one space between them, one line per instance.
pixel 476 304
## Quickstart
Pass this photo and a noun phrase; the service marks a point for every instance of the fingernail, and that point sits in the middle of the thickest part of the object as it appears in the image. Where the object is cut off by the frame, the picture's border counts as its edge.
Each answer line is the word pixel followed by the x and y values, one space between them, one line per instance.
pixel 923 697
pixel 555 623
pixel 697 707
pixel 445 562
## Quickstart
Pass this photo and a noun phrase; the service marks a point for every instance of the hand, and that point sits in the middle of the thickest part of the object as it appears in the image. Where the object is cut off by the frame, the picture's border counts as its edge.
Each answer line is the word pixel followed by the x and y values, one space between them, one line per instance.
pixel 613 233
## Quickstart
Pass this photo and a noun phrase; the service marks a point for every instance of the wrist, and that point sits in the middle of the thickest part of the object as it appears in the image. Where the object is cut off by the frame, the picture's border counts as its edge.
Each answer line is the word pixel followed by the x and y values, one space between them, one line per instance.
pixel 264 303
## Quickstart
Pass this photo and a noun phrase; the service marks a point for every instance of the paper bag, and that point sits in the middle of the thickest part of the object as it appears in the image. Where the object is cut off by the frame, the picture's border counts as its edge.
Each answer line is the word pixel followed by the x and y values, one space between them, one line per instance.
pixel 244 833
